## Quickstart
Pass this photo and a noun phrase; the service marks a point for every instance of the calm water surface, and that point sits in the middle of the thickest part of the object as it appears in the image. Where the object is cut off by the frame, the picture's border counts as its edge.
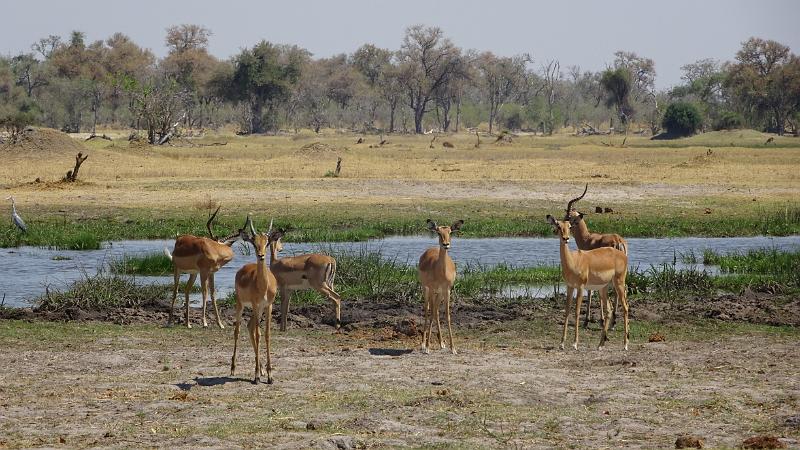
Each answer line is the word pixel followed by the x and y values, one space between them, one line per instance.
pixel 26 271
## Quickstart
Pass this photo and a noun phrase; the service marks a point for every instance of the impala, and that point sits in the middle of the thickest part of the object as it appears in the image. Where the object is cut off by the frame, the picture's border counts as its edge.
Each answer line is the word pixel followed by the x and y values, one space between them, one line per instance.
pixel 255 287
pixel 586 240
pixel 295 273
pixel 591 270
pixel 200 255
pixel 437 272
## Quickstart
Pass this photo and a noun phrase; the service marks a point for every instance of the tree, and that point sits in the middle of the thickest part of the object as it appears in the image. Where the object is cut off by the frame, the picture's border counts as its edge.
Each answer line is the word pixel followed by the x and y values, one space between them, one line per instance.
pixel 263 77
pixel 189 63
pixel 427 62
pixel 30 73
pixel 617 85
pixel 157 104
pixel 681 119
pixel 501 79
pixel 766 80
pixel 374 63
pixel 124 60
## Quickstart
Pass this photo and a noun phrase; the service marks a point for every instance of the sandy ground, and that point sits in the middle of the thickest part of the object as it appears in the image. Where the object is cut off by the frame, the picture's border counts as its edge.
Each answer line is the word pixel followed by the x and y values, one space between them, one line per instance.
pixel 96 384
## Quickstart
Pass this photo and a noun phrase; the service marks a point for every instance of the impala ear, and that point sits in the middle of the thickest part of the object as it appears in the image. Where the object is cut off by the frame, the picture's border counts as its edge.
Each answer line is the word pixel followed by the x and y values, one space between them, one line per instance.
pixel 431 225
pixel 552 221
pixel 456 225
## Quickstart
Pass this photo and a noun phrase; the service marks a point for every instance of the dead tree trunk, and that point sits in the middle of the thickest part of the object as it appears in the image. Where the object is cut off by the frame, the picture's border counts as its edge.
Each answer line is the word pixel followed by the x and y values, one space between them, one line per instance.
pixel 338 167
pixel 72 175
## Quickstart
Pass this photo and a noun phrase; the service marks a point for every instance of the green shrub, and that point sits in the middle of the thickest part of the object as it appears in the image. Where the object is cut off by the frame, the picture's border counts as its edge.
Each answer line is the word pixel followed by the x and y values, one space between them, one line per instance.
pixel 681 119
pixel 728 121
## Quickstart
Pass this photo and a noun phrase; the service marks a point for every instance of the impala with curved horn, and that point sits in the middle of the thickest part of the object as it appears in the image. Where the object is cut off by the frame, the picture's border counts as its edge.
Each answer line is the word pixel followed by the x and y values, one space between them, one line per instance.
pixel 200 255
pixel 294 273
pixel 591 270
pixel 586 240
pixel 255 287
pixel 437 273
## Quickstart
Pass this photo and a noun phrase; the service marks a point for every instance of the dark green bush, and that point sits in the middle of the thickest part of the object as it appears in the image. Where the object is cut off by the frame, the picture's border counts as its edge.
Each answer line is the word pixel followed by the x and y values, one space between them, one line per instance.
pixel 728 121
pixel 681 119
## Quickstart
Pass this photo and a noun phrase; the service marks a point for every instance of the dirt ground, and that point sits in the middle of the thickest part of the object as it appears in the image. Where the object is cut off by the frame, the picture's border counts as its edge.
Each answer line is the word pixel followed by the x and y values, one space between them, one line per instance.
pixel 722 378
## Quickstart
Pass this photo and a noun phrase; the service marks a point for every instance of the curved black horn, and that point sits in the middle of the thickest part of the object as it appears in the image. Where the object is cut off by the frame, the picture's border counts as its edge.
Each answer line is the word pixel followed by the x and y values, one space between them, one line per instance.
pixel 208 224
pixel 571 202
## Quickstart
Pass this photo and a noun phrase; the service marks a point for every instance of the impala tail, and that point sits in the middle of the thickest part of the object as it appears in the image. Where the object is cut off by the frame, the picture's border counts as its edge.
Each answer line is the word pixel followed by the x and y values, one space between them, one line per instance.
pixel 166 252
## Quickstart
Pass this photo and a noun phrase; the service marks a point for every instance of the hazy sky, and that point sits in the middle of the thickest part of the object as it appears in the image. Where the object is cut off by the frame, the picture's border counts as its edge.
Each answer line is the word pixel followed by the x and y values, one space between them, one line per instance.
pixel 578 32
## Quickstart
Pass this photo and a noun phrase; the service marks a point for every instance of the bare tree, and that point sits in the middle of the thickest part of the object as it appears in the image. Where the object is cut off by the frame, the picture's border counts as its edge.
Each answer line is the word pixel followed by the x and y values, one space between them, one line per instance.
pixel 551 75
pixel 502 79
pixel 427 60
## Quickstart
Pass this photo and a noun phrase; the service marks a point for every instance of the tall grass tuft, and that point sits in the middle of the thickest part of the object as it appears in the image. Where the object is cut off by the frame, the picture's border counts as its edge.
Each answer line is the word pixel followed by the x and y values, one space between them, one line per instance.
pixel 102 291
pixel 151 264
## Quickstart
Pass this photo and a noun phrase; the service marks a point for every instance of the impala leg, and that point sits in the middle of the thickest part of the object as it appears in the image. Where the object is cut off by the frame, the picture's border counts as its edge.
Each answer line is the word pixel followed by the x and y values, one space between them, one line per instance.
pixel 252 328
pixel 622 295
pixel 439 295
pixel 449 325
pixel 588 317
pixel 237 321
pixel 267 341
pixel 578 301
pixel 285 294
pixel 189 285
pixel 204 293
pixel 570 290
pixel 426 314
pixel 613 313
pixel 337 302
pixel 604 305
pixel 177 277
pixel 212 290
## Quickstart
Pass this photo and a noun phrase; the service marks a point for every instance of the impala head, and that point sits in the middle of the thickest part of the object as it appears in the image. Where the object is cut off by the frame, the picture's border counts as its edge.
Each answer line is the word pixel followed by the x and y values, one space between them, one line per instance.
pixel 561 228
pixel 260 241
pixel 444 231
pixel 567 215
pixel 275 240
pixel 574 217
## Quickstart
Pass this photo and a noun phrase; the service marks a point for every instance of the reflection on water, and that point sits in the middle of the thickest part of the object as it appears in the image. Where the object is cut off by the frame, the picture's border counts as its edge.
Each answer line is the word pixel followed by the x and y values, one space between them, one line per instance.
pixel 25 271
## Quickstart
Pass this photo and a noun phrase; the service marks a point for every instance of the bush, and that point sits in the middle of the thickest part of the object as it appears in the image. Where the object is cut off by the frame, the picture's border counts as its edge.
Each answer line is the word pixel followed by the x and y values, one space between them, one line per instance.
pixel 728 121
pixel 681 119
pixel 15 122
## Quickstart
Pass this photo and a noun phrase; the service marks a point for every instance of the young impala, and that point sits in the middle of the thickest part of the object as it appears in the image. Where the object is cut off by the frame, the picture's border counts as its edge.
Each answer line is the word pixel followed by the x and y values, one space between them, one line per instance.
pixel 200 255
pixel 294 273
pixel 591 270
pixel 586 240
pixel 255 287
pixel 437 273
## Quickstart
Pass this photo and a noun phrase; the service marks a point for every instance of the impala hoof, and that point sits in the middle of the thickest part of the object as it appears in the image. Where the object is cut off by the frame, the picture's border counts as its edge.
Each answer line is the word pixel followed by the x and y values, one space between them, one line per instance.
pixel 443 346
pixel 256 380
pixel 188 325
pixel 221 326
pixel 453 351
pixel 562 346
pixel 626 347
pixel 426 351
pixel 575 346
pixel 269 380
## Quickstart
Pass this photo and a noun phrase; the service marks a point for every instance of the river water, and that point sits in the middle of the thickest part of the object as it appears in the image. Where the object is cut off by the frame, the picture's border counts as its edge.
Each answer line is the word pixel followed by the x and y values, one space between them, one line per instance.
pixel 26 271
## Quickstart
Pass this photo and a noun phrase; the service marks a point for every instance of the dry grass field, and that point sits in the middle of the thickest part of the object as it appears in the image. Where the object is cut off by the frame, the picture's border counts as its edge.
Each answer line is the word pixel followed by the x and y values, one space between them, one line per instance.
pixel 281 173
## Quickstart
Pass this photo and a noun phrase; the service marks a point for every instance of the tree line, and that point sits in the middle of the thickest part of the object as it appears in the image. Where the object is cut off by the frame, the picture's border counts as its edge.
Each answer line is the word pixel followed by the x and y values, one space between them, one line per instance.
pixel 428 83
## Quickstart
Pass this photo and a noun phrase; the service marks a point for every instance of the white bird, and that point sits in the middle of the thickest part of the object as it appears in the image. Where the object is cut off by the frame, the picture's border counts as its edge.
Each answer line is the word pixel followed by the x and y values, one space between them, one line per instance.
pixel 15 218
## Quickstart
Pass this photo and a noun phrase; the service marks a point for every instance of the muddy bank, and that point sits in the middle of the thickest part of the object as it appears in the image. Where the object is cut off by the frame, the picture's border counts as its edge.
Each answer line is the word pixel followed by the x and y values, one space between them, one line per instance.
pixel 768 308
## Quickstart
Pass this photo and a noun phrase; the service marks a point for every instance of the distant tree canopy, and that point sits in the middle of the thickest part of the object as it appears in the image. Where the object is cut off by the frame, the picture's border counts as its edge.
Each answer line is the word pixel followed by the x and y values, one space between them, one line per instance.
pixel 426 84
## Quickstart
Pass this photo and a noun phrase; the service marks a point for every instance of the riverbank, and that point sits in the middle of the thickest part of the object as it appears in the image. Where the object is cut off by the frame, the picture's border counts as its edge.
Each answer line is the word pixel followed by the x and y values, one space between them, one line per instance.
pixel 715 184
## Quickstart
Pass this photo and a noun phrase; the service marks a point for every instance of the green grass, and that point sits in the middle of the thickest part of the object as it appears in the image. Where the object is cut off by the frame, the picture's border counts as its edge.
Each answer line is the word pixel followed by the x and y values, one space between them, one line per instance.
pixel 359 223
pixel 151 264
pixel 102 291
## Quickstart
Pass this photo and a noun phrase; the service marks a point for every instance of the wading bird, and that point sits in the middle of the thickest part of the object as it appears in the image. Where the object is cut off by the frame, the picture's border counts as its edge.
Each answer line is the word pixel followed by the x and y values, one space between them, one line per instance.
pixel 15 218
